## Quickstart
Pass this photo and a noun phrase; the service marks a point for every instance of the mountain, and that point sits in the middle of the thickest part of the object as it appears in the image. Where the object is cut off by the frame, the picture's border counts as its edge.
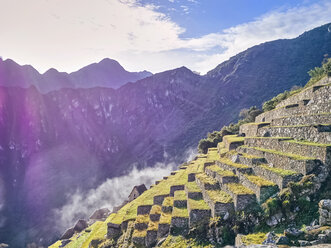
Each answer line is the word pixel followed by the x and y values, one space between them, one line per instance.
pixel 107 73
pixel 70 140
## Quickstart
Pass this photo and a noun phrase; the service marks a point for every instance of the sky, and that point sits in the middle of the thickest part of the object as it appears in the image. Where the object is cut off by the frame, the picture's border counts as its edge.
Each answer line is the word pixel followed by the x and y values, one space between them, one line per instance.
pixel 154 35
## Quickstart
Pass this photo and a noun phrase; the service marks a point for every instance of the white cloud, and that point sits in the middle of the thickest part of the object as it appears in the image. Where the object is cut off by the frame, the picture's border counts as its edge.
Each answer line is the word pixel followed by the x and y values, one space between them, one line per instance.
pixel 68 34
pixel 109 194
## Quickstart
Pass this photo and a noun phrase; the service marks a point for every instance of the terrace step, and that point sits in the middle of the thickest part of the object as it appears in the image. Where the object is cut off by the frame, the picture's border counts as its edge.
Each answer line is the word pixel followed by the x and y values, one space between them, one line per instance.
pixel 155 213
pixel 314 119
pixel 286 161
pixel 193 191
pixel 315 133
pixel 245 159
pixel 167 205
pixel 279 176
pixel 179 221
pixel 199 212
pixel 231 142
pixel 206 183
pixel 221 175
pixel 250 129
pixel 290 110
pixel 164 225
pixel 241 195
pixel 229 165
pixel 141 222
pixel 303 148
pixel 180 200
pixel 312 92
pixel 151 233
pixel 262 187
pixel 220 202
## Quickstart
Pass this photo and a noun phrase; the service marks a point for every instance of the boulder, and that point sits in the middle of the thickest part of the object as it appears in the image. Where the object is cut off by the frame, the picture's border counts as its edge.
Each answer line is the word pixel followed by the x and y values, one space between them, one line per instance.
pixel 271 239
pixel 303 243
pixel 293 232
pixel 282 240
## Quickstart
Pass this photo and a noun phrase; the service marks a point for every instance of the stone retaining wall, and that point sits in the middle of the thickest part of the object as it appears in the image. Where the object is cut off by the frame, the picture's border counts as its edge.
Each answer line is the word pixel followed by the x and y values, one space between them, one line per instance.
pixel 318 133
pixel 302 120
pixel 309 109
pixel 320 152
pixel 163 229
pixel 198 217
pixel 306 94
pixel 175 188
pixel 325 212
pixel 143 209
pixel 158 200
pixel 151 238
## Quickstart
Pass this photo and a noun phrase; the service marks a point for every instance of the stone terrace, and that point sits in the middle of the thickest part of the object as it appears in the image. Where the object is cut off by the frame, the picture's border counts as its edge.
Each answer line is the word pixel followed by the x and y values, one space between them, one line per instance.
pixel 283 145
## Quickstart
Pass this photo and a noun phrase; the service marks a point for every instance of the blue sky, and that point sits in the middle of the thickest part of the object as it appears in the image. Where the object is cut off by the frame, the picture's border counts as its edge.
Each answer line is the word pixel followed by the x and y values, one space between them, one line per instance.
pixel 153 35
pixel 201 17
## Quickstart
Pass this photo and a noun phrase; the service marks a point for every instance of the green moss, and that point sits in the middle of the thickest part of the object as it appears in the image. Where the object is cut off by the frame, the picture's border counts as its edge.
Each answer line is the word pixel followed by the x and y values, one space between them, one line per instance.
pixel 220 171
pixel 259 181
pixel 153 226
pixel 233 139
pixel 290 155
pixel 219 196
pixel 180 212
pixel 156 209
pixel 198 204
pixel 280 172
pixel 180 195
pixel 142 218
pixel 230 163
pixel 206 179
pixel 192 187
pixel 168 201
pixel 165 218
pixel 254 239
pixel 138 233
pixel 239 189
pixel 308 143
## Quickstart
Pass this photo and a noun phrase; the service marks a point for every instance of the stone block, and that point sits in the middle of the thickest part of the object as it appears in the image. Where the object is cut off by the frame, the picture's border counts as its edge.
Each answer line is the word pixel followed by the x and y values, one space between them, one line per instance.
pixel 143 209
pixel 151 238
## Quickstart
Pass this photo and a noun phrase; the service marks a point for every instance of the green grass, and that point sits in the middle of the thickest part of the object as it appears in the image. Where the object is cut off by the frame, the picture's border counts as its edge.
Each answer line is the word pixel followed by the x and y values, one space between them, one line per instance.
pixel 206 179
pixel 254 239
pixel 182 242
pixel 239 189
pixel 259 180
pixel 156 209
pixel 212 155
pixel 246 155
pixel 180 195
pixel 290 155
pixel 280 172
pixel 138 233
pixel 198 204
pixel 280 138
pixel 142 218
pixel 233 139
pixel 219 196
pixel 256 123
pixel 165 218
pixel 192 187
pixel 180 212
pixel 230 163
pixel 168 201
pixel 153 226
pixel 308 143
pixel 220 171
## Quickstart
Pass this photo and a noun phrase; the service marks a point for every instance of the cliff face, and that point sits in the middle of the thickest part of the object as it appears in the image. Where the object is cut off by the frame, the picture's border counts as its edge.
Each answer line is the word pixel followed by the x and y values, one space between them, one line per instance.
pixel 56 142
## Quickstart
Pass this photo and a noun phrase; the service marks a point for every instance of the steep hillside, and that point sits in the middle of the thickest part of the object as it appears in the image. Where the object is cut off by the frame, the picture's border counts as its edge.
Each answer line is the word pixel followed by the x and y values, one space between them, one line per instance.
pixel 73 139
pixel 270 175
pixel 107 73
